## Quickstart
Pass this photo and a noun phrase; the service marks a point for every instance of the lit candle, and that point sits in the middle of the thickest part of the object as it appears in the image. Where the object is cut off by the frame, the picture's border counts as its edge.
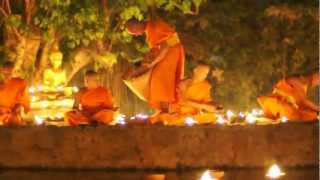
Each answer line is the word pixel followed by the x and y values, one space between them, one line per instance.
pixel 142 116
pixel 121 119
pixel 230 114
pixel 250 118
pixel 242 115
pixel 284 119
pixel 206 176
pixel 38 120
pixel 274 172
pixel 221 120
pixel 189 121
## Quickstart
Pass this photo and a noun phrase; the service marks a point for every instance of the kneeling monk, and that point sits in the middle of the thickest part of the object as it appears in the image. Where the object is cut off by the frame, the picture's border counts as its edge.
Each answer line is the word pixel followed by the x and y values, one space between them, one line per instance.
pixel 156 80
pixel 194 100
pixel 289 99
pixel 92 104
pixel 14 97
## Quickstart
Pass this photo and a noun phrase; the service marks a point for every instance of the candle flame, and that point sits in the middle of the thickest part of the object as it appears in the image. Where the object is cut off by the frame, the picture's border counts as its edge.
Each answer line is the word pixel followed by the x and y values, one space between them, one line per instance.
pixel 189 121
pixel 284 119
pixel 38 120
pixel 230 114
pixel 250 118
pixel 220 120
pixel 274 172
pixel 206 176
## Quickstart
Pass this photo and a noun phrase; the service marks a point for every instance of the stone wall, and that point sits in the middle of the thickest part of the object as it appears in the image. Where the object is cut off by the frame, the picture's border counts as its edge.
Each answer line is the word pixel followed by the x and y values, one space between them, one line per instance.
pixel 159 147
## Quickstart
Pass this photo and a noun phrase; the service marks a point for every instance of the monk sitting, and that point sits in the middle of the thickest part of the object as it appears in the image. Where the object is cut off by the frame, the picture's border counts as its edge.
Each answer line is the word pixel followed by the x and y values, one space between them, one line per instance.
pixel 289 99
pixel 162 68
pixel 14 97
pixel 92 104
pixel 194 100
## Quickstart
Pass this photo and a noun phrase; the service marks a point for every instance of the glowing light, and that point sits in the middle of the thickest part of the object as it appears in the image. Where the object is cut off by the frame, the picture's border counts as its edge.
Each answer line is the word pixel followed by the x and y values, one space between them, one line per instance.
pixel 242 115
pixel 75 89
pixel 206 176
pixel 260 112
pixel 221 120
pixel 275 172
pixel 284 119
pixel 255 112
pixel 142 116
pixel 59 116
pixel 38 120
pixel 230 114
pixel 32 90
pixel 250 118
pixel 121 119
pixel 189 121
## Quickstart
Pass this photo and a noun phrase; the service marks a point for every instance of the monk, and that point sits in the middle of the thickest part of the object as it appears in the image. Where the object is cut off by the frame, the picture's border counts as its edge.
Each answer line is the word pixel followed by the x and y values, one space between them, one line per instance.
pixel 289 99
pixel 194 100
pixel 164 64
pixel 93 104
pixel 14 97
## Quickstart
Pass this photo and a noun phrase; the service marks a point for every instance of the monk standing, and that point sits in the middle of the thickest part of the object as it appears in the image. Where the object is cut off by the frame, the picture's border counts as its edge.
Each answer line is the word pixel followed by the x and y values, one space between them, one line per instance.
pixel 93 103
pixel 164 64
pixel 289 99
pixel 14 97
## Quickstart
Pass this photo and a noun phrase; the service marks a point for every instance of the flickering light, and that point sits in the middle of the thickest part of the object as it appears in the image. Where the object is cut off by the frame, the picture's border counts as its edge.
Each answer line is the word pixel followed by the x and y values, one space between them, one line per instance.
pixel 250 118
pixel 189 121
pixel 221 120
pixel 284 119
pixel 242 115
pixel 142 116
pixel 75 89
pixel 274 172
pixel 121 119
pixel 59 116
pixel 206 176
pixel 32 89
pixel 230 114
pixel 38 120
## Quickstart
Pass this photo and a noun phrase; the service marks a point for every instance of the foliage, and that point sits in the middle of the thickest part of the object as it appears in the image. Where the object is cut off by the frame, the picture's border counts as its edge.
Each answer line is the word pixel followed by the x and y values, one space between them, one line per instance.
pixel 254 43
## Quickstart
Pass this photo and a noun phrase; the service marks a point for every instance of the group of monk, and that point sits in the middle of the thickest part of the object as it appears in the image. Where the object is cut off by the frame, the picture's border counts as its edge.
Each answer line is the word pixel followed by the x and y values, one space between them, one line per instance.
pixel 159 81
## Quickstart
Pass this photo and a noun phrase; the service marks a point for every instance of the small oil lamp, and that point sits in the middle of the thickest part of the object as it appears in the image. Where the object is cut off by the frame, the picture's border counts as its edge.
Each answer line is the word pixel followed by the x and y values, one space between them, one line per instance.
pixel 274 172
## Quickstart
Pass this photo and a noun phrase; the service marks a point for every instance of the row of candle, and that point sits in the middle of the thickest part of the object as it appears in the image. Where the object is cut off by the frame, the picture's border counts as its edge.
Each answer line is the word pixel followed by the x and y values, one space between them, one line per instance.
pixel 274 172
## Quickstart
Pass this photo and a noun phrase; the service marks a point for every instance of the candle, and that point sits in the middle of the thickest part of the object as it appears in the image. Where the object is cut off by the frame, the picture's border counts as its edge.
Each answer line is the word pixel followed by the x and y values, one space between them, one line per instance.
pixel 38 120
pixel 275 172
pixel 230 114
pixel 221 120
pixel 284 119
pixel 189 121
pixel 250 118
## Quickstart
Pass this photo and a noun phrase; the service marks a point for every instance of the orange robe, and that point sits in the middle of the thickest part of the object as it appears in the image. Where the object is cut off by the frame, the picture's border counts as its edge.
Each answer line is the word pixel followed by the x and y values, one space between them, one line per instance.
pixel 200 93
pixel 288 99
pixel 95 105
pixel 166 74
pixel 13 95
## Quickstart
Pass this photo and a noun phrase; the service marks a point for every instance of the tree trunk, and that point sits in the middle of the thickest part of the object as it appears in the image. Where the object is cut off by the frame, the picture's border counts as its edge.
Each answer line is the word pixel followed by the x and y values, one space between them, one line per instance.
pixel 128 103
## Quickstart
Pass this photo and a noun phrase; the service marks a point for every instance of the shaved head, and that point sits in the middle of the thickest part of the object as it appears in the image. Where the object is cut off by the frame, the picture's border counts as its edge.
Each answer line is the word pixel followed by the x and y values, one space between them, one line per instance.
pixel 136 27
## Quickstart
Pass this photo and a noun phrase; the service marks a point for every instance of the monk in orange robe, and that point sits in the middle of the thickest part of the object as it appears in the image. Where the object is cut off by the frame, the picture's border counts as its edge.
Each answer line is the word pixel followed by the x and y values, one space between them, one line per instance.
pixel 14 97
pixel 194 100
pixel 164 63
pixel 289 99
pixel 93 103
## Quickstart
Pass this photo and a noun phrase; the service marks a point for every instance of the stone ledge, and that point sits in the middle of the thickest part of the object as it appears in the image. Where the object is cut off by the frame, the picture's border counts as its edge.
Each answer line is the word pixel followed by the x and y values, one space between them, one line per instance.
pixel 159 147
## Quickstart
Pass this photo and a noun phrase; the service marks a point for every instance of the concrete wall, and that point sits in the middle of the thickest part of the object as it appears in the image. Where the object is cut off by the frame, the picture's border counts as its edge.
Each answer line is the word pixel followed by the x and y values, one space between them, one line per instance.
pixel 152 147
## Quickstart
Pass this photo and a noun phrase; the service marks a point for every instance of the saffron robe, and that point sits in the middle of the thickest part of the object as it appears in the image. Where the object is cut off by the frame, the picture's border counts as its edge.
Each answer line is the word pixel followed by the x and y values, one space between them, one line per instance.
pixel 94 105
pixel 13 96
